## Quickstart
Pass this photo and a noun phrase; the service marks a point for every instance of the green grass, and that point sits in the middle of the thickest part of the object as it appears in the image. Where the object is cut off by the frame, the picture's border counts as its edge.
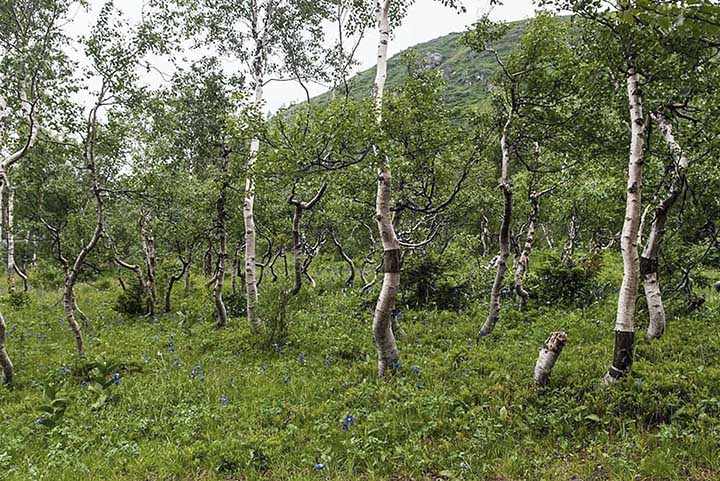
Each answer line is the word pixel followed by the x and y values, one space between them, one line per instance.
pixel 471 412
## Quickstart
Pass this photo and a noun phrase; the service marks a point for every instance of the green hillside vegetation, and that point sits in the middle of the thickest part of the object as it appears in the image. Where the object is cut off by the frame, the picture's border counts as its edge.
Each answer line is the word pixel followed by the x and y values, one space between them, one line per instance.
pixel 466 73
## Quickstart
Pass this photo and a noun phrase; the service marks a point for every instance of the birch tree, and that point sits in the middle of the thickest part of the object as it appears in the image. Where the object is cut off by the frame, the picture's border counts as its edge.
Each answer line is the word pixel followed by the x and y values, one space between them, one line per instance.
pixel 264 35
pixel 533 86
pixel 30 73
pixel 113 58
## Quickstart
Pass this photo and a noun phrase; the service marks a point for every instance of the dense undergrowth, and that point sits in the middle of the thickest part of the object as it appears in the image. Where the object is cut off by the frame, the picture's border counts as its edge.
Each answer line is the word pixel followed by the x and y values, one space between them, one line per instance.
pixel 174 399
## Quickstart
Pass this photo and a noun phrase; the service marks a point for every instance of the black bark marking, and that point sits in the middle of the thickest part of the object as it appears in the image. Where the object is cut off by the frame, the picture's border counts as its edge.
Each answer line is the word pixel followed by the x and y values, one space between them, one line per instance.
pixel 391 261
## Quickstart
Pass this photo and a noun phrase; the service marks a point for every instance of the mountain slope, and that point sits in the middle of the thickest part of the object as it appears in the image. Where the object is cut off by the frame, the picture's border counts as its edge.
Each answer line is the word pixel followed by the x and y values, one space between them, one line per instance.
pixel 465 71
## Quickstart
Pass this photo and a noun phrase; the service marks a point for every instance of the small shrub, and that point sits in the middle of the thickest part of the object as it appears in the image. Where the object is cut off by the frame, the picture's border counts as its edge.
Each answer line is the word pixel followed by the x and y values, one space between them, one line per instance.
pixel 132 300
pixel 48 275
pixel 18 299
pixel 235 303
pixel 573 283
pixel 435 280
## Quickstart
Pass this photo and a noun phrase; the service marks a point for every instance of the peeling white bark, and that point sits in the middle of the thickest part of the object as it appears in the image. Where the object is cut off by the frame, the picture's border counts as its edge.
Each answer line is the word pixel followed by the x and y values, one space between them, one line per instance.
pixel 388 357
pixel 11 268
pixel 651 252
pixel 524 260
pixel 548 357
pixel 505 187
pixel 624 324
pixel 249 219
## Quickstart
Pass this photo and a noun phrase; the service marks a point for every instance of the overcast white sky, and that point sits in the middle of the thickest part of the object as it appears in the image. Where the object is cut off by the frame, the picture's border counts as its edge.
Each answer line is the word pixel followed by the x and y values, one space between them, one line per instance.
pixel 426 20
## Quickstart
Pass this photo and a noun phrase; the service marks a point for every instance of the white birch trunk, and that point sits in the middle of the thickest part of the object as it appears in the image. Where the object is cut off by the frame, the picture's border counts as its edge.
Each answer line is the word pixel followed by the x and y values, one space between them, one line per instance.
pixel 300 266
pixel 5 363
pixel 549 355
pixel 524 261
pixel 222 254
pixel 651 252
pixel 10 235
pixel 494 310
pixel 388 357
pixel 248 204
pixel 624 324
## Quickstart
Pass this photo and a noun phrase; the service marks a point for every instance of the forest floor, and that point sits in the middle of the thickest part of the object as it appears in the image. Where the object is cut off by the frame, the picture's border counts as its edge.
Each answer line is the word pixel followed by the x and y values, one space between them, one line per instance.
pixel 193 403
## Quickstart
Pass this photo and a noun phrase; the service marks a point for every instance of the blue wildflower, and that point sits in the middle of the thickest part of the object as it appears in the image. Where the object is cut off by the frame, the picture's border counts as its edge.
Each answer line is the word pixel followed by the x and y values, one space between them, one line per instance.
pixel 327 360
pixel 65 370
pixel 348 421
pixel 84 384
pixel 301 358
pixel 195 371
pixel 320 466
pixel 264 366
pixel 419 387
pixel 8 417
pixel 224 400
pixel 395 365
pixel 416 370
pixel 464 466
pixel 116 378
pixel 148 359
pixel 171 345
pixel 39 421
pixel 202 378
pixel 131 411
pixel 286 380
pixel 177 363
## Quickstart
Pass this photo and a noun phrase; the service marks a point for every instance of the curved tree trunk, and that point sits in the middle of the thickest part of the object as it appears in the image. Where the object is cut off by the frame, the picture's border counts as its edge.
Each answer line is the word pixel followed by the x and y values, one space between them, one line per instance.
pixel 649 257
pixel 624 323
pixel 348 260
pixel 494 311
pixel 12 267
pixel 5 363
pixel 524 261
pixel 222 238
pixel 173 279
pixel 69 309
pixel 388 356
pixel 301 206
pixel 10 234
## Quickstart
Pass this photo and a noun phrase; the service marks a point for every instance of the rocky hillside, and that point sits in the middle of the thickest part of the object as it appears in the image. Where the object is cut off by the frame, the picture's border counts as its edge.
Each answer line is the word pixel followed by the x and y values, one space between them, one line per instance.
pixel 466 72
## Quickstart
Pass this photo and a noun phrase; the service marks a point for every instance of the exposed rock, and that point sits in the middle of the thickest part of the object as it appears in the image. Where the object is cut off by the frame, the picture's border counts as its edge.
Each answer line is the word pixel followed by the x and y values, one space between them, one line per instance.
pixel 433 60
